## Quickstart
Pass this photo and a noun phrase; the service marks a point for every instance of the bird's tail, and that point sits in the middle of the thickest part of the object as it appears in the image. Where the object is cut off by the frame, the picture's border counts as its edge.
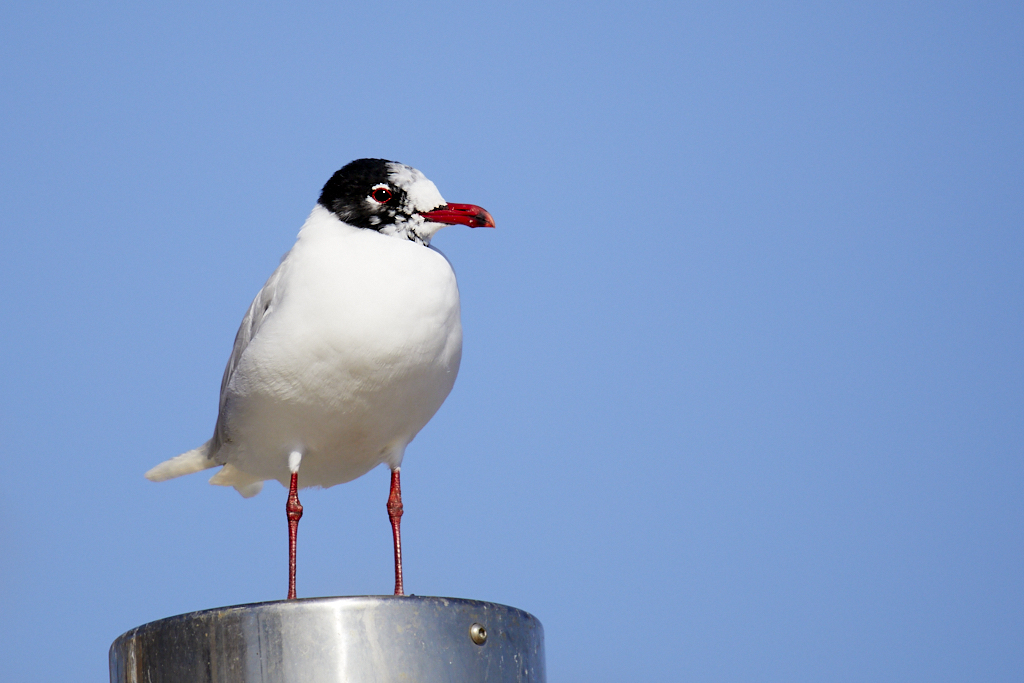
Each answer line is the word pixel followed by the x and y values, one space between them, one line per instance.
pixel 244 483
pixel 195 460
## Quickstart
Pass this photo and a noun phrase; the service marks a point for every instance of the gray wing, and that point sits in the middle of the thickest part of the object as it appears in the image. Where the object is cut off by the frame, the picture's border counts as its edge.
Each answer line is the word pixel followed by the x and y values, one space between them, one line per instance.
pixel 260 310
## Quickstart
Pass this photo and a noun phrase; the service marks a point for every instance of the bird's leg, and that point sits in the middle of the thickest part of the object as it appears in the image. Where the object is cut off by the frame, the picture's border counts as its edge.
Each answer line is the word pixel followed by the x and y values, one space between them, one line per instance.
pixel 294 510
pixel 395 515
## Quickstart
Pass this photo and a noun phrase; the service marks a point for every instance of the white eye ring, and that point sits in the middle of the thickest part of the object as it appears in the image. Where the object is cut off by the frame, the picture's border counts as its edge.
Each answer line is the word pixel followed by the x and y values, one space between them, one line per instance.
pixel 381 194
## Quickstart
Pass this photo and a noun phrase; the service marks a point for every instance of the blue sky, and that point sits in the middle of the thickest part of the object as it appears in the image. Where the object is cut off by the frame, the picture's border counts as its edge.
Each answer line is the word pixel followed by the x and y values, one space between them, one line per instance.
pixel 743 385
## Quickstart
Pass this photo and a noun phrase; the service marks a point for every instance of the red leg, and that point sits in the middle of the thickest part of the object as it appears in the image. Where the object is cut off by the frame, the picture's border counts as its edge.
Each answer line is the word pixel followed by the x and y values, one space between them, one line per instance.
pixel 294 510
pixel 395 515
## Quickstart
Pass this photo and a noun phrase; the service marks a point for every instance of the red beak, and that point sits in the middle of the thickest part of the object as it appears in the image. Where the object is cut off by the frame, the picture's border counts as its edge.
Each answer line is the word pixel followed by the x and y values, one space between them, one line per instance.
pixel 466 214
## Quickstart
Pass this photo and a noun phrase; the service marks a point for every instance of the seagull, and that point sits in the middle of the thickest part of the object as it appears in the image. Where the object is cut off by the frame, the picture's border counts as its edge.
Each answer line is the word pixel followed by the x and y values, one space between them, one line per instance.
pixel 349 349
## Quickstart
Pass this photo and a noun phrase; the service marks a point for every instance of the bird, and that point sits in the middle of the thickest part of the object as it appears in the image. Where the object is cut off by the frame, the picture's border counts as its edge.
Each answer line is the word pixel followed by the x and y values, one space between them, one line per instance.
pixel 347 351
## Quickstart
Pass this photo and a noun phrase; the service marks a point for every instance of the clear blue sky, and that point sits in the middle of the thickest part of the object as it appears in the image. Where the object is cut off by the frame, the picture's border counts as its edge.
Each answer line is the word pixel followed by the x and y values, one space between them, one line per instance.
pixel 742 396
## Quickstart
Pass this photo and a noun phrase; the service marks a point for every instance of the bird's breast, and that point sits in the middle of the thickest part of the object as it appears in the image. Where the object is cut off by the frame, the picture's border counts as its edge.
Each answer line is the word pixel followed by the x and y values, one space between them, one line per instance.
pixel 359 348
pixel 365 325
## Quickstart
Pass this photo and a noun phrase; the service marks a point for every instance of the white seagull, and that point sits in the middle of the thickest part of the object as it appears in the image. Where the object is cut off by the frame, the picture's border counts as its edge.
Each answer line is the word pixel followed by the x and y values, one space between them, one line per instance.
pixel 348 350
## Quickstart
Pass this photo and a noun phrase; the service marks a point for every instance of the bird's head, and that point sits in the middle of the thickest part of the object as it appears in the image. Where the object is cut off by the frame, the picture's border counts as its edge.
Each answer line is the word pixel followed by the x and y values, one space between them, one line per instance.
pixel 395 199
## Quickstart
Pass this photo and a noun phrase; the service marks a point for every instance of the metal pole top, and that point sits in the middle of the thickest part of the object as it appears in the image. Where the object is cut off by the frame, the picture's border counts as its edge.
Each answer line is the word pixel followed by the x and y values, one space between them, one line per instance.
pixel 369 638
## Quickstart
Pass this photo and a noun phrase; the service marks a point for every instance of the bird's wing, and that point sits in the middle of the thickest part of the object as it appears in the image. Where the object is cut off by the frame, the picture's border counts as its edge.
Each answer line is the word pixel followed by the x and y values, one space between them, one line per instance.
pixel 260 310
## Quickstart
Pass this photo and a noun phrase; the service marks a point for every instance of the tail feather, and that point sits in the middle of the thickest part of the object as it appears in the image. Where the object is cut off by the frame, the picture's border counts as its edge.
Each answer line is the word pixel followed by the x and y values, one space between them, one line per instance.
pixel 244 483
pixel 186 463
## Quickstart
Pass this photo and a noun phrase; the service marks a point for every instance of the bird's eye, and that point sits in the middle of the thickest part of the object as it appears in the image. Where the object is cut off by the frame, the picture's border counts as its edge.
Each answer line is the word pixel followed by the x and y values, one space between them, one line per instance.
pixel 381 195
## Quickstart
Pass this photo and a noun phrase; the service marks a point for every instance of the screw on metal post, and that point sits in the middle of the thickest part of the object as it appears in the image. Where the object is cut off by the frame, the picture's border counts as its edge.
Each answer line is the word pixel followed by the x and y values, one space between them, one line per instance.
pixel 478 634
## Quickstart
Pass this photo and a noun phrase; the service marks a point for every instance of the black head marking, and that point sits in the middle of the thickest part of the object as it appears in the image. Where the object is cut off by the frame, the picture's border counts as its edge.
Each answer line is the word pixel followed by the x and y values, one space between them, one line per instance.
pixel 362 194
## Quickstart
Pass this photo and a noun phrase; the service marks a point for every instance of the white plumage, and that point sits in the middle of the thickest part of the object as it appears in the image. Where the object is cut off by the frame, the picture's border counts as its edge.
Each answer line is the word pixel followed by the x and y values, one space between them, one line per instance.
pixel 349 349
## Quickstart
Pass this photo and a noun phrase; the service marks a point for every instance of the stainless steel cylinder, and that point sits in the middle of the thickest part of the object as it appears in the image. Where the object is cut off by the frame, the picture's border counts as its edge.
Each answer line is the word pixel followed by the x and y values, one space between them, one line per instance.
pixel 373 638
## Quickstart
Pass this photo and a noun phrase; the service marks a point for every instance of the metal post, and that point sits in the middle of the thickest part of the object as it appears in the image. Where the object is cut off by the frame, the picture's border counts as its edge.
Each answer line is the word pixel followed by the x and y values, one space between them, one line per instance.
pixel 372 638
